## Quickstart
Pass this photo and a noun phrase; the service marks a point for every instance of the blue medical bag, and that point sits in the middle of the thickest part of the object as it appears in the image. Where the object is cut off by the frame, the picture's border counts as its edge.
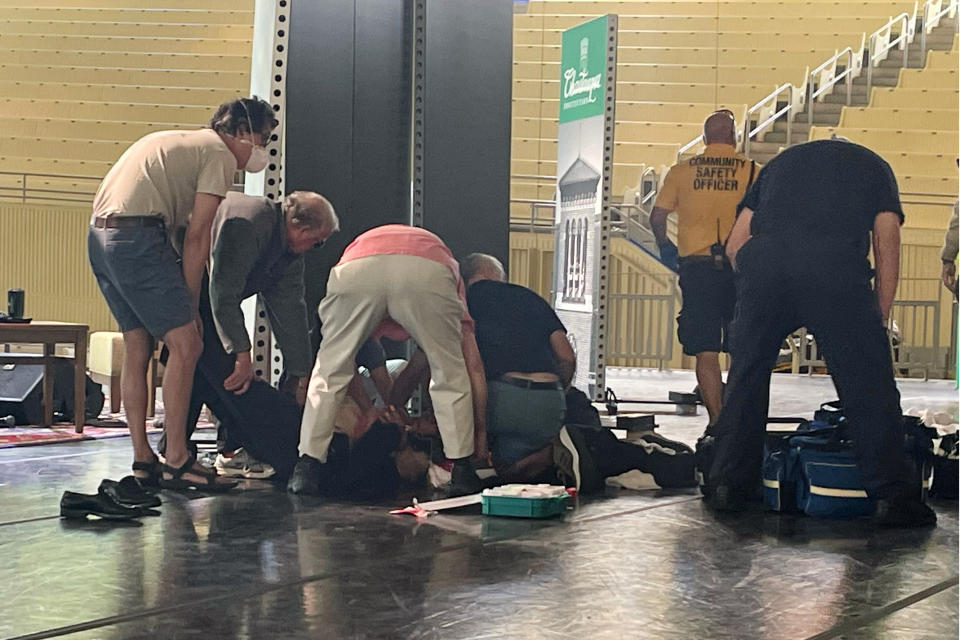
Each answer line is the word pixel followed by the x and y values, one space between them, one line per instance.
pixel 814 471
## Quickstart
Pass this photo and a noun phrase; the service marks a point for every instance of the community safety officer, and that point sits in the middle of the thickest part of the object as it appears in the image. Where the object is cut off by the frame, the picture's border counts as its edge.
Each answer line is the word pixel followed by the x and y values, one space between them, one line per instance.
pixel 704 191
pixel 800 248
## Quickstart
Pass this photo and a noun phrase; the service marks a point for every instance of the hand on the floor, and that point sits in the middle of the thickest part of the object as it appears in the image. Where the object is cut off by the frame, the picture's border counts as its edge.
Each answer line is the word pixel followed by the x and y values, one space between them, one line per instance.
pixel 239 381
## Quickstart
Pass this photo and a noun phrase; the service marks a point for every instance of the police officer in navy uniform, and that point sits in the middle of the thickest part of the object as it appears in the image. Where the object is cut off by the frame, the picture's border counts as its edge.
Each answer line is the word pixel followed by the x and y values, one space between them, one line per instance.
pixel 800 247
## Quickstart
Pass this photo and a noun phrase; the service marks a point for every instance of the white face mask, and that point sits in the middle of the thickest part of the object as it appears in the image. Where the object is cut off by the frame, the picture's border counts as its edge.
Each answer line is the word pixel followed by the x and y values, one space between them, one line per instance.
pixel 259 157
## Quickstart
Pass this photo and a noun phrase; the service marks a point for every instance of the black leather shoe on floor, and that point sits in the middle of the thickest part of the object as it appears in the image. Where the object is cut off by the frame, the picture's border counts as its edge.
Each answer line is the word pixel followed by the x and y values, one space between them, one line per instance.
pixel 464 480
pixel 903 513
pixel 129 493
pixel 305 479
pixel 77 506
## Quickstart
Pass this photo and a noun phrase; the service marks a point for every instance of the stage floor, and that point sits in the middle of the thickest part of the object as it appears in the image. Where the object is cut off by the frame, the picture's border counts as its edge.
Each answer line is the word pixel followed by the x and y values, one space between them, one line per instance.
pixel 258 563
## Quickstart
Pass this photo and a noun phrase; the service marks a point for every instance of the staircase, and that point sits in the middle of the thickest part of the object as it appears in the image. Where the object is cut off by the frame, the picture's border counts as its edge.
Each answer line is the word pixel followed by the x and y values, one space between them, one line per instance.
pixel 827 113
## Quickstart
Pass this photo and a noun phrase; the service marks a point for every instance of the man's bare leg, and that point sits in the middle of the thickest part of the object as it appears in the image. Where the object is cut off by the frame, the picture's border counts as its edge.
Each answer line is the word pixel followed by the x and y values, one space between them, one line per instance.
pixel 711 382
pixel 137 348
pixel 185 346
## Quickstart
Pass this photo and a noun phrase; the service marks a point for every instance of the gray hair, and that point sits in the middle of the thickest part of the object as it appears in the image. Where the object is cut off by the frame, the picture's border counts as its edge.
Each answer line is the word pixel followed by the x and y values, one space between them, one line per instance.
pixel 481 264
pixel 309 209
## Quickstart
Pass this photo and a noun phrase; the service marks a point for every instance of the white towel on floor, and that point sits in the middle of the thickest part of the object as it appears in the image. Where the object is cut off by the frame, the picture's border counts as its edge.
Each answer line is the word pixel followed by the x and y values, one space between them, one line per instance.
pixel 635 480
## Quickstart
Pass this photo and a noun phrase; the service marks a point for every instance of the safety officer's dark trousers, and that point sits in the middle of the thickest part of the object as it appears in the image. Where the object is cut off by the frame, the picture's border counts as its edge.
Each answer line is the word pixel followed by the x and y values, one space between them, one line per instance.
pixel 783 284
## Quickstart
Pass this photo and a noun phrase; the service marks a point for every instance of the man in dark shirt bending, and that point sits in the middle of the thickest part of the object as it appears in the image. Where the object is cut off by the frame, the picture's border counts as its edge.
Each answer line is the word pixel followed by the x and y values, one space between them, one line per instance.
pixel 800 247
pixel 528 360
pixel 529 364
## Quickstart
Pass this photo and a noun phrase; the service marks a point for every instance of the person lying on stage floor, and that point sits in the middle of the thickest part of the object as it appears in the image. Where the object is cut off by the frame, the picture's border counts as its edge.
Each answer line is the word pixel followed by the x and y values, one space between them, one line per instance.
pixel 530 364
pixel 401 282
pixel 377 449
pixel 374 461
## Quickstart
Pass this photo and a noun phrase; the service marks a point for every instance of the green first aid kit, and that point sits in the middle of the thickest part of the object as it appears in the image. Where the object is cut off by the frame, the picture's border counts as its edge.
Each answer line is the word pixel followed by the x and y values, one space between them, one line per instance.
pixel 525 500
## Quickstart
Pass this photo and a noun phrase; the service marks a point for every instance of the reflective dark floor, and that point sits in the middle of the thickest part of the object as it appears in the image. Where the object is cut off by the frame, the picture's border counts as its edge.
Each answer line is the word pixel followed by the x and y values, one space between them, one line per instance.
pixel 261 564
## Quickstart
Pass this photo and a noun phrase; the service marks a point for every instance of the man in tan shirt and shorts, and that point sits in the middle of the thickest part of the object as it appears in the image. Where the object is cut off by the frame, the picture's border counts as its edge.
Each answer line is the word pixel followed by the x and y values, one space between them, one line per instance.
pixel 164 182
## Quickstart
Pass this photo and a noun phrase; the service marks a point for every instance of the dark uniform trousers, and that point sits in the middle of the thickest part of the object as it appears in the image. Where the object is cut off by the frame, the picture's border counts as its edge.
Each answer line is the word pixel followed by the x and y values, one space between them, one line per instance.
pixel 785 283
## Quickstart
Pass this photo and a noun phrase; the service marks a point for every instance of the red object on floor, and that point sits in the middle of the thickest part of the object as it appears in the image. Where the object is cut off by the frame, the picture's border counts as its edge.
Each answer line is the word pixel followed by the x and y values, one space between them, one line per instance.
pixel 64 432
pixel 27 436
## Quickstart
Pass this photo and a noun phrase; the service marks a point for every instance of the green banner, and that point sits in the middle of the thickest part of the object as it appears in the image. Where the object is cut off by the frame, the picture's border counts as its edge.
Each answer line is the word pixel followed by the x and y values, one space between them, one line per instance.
pixel 583 57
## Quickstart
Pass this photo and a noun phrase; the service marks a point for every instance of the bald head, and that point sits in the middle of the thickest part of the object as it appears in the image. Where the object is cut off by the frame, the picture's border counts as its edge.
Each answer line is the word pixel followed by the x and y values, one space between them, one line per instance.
pixel 720 127
pixel 309 219
pixel 309 209
pixel 481 266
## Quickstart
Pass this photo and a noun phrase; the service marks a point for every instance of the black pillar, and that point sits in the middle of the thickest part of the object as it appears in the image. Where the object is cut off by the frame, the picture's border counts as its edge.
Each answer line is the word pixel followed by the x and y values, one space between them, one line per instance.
pixel 466 173
pixel 348 117
pixel 349 111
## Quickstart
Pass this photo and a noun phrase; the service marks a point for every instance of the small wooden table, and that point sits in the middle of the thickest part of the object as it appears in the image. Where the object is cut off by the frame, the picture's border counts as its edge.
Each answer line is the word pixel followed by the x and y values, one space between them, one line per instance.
pixel 49 334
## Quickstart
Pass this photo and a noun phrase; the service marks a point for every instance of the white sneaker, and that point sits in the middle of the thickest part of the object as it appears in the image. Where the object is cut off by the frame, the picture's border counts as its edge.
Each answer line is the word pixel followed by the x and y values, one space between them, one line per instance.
pixel 242 465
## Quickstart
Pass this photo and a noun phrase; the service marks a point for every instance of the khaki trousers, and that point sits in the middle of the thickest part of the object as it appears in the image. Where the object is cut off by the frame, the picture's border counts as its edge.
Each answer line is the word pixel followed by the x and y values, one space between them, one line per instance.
pixel 421 296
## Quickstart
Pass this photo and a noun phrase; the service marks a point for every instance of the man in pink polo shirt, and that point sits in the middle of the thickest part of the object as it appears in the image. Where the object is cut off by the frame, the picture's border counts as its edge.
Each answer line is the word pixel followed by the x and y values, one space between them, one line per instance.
pixel 400 282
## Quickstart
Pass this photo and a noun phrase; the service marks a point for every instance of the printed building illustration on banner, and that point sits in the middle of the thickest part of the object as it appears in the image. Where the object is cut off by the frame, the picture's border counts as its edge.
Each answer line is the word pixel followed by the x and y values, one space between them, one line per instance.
pixel 578 203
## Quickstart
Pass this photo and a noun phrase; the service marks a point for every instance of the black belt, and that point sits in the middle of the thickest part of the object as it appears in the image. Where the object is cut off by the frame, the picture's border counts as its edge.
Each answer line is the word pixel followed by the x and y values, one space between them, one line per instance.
pixel 694 259
pixel 125 222
pixel 523 383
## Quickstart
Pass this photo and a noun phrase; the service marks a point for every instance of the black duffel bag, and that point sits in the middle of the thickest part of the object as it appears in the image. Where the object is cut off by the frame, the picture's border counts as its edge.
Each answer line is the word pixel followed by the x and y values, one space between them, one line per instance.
pixel 946 473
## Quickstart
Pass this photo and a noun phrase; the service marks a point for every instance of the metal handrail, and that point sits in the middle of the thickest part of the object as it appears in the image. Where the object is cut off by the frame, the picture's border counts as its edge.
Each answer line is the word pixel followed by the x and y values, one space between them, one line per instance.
pixel 748 132
pixel 534 224
pixel 533 201
pixel 690 145
pixel 828 80
pixel 877 53
pixel 648 171
pixel 828 77
pixel 531 176
pixel 929 22
pixel 23 191
pixel 49 175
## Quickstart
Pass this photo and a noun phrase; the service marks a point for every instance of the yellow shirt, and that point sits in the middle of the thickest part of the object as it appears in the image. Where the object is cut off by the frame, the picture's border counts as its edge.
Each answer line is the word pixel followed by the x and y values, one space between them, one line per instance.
pixel 705 191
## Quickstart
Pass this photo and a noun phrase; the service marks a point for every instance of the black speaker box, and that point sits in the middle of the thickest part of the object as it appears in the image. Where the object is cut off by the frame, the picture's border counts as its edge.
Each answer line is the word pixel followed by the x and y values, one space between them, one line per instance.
pixel 21 391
